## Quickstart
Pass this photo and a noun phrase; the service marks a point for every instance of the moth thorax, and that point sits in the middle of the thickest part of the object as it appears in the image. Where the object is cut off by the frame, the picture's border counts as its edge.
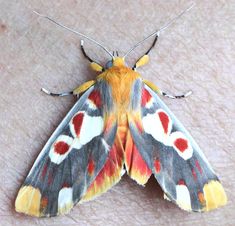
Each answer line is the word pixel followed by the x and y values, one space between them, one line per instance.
pixel 118 61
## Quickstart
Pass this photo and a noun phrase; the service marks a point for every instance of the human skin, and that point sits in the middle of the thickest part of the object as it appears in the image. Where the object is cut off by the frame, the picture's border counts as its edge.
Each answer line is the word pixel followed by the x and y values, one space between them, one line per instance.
pixel 196 53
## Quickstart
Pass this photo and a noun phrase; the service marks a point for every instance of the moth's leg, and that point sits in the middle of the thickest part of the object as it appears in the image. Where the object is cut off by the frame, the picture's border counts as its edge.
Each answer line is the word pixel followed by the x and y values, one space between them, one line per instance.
pixel 76 92
pixel 56 94
pixel 157 90
pixel 82 88
pixel 186 94
pixel 95 66
pixel 145 58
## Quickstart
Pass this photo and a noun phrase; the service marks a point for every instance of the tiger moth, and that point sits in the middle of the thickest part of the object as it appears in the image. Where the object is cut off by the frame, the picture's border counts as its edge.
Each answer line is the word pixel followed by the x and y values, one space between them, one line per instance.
pixel 118 124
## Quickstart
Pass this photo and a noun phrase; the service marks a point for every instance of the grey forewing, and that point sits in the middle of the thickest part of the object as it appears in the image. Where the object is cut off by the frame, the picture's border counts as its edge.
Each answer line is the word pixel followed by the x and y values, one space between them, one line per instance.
pixel 72 171
pixel 173 167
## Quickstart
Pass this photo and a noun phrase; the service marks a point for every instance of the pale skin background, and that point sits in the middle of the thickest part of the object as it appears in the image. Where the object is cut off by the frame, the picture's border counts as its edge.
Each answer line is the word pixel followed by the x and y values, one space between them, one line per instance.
pixel 196 53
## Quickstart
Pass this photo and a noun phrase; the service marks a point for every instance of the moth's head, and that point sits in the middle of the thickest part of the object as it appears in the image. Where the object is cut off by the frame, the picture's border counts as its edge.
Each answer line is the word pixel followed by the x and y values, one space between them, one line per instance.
pixel 116 61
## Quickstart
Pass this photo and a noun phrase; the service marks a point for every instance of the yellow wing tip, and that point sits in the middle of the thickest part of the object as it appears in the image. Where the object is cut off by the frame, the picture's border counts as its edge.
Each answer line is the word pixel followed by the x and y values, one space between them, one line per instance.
pixel 214 195
pixel 139 177
pixel 28 201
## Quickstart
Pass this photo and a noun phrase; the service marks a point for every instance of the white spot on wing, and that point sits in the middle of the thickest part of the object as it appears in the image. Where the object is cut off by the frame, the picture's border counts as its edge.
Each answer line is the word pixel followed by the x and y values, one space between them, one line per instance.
pixel 153 126
pixel 65 200
pixel 183 197
pixel 149 104
pixel 76 143
pixel 92 126
pixel 188 153
pixel 58 158
pixel 91 104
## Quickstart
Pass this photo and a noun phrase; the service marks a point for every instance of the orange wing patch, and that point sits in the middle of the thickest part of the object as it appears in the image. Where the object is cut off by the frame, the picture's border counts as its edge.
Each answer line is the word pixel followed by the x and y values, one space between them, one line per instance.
pixel 135 165
pixel 109 175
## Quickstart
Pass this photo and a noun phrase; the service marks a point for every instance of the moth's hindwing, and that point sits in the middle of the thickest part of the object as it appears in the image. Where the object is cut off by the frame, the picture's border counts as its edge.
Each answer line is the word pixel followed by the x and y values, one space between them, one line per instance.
pixel 79 161
pixel 172 155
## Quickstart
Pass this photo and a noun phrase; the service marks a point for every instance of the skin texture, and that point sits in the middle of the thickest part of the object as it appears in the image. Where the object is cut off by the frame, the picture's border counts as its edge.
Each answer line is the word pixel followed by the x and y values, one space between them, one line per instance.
pixel 195 53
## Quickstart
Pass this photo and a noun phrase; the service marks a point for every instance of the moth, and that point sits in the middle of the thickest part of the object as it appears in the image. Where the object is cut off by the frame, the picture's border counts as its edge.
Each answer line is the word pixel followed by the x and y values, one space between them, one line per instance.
pixel 118 124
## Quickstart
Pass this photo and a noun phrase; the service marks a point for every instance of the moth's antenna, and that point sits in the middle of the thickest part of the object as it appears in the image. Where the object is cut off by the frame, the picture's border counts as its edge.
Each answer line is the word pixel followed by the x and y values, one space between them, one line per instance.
pixel 76 32
pixel 161 29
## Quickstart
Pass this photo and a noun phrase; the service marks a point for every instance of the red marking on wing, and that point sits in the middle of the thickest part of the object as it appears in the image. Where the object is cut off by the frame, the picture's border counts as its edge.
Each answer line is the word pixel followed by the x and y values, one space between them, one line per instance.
pixel 61 147
pixel 181 144
pixel 44 170
pixel 77 122
pixel 95 97
pixel 65 185
pixel 112 162
pixel 181 182
pixel 91 166
pixel 110 169
pixel 135 165
pixel 50 178
pixel 201 198
pixel 146 97
pixel 135 161
pixel 99 180
pixel 164 120
pixel 44 202
pixel 194 174
pixel 139 162
pixel 198 166
pixel 157 166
